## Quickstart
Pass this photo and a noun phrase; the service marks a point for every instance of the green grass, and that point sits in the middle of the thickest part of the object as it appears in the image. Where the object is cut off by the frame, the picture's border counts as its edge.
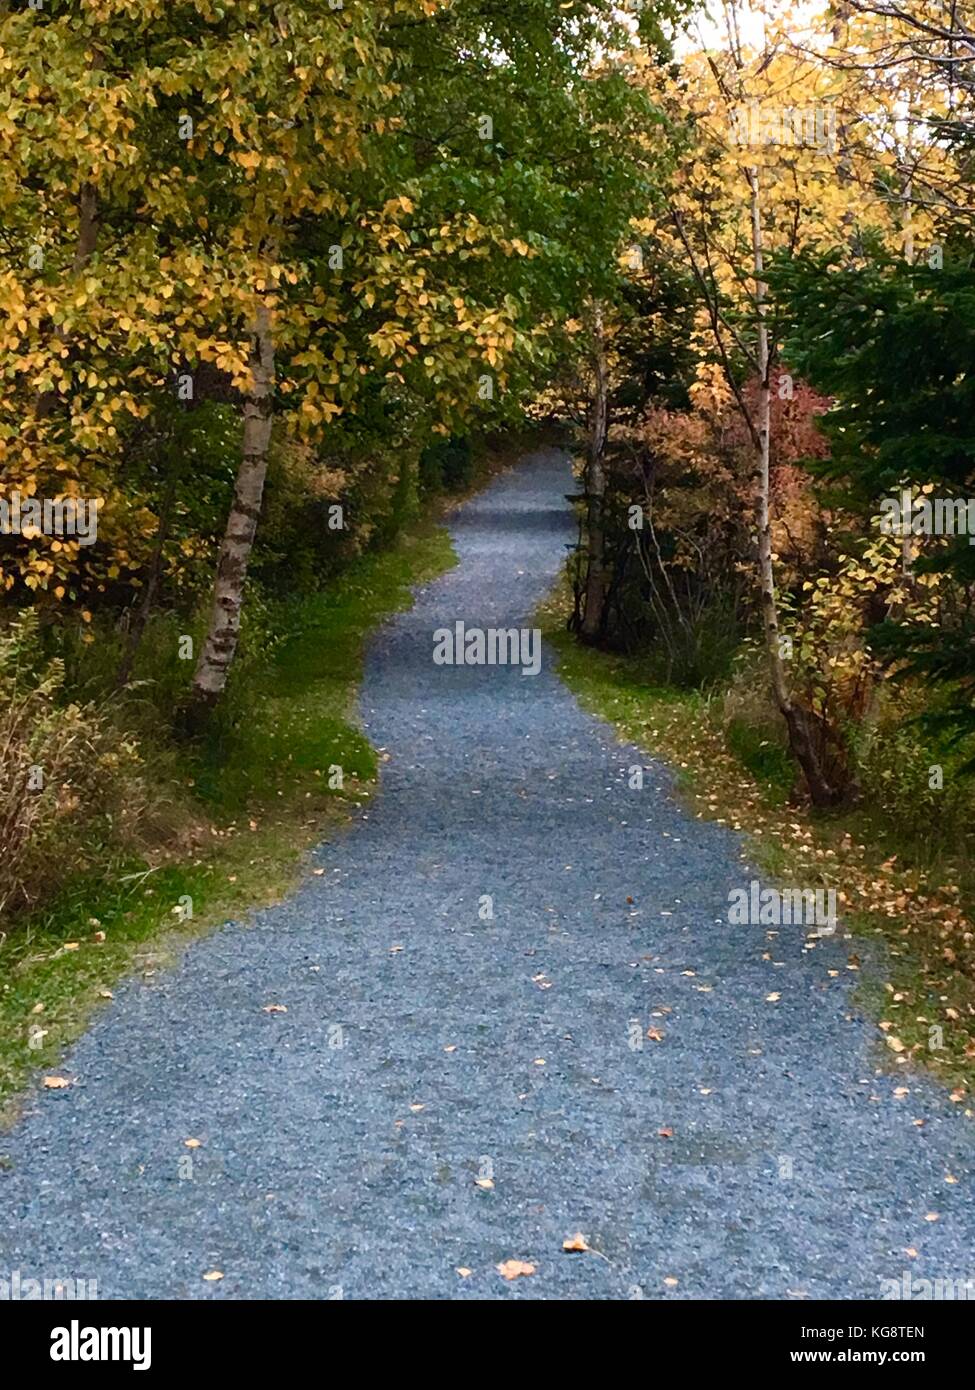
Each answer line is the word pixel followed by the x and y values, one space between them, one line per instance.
pixel 261 788
pixel 767 761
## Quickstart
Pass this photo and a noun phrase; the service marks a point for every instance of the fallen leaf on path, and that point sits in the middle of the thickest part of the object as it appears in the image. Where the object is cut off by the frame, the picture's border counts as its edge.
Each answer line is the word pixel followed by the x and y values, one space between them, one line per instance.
pixel 665 1133
pixel 933 1216
pixel 275 1008
pixel 486 1183
pixel 55 1083
pixel 895 1044
pixel 655 1034
pixel 671 1282
pixel 772 998
pixel 576 1242
pixel 464 1272
pixel 192 1143
pixel 213 1275
pixel 515 1269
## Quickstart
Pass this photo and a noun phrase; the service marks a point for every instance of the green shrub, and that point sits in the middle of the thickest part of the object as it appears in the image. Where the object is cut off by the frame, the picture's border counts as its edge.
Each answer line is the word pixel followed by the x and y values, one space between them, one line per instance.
pixel 446 465
pixel 899 766
pixel 68 781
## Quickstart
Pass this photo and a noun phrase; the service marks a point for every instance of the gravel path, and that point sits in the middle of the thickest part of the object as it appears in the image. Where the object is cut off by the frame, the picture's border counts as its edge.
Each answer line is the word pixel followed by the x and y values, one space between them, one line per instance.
pixel 426 1046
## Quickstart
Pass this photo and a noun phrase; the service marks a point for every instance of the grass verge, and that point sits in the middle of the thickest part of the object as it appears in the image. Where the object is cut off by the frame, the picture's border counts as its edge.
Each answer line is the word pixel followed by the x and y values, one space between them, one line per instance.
pixel 264 796
pixel 925 1004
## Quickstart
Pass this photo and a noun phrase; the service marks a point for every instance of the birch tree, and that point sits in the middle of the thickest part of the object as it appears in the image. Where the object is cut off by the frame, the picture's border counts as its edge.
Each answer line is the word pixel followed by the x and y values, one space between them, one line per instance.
pixel 765 125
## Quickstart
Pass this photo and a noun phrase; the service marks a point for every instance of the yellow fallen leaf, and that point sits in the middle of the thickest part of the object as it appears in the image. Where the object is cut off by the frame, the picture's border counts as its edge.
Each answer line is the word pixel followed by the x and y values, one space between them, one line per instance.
pixel 213 1275
pixel 486 1183
pixel 515 1269
pixel 463 1271
pixel 192 1143
pixel 55 1083
pixel 671 1282
pixel 772 998
pixel 576 1242
pixel 275 1008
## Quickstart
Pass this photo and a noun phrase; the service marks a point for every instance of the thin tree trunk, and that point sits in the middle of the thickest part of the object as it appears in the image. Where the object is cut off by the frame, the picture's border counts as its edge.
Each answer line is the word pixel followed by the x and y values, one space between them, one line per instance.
pixel 907 226
pixel 220 646
pixel 141 618
pixel 596 583
pixel 800 723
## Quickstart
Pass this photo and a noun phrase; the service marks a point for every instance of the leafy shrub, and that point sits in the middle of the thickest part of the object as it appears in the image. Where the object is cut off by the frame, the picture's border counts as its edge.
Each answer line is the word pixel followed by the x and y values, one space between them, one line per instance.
pixel 68 780
pixel 897 761
pixel 447 465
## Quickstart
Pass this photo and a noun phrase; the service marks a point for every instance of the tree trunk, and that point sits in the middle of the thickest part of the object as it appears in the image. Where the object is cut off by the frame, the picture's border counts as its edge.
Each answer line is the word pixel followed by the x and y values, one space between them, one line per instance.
pixel 596 581
pixel 220 646
pixel 802 725
pixel 142 614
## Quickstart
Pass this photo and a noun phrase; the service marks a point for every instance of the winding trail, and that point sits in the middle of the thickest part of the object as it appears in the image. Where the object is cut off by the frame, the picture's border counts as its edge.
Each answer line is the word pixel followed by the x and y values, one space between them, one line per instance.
pixel 350 1170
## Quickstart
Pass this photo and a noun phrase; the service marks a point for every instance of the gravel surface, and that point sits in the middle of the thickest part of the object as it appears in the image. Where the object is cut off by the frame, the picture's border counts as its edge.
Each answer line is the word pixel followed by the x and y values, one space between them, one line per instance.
pixel 427 1046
